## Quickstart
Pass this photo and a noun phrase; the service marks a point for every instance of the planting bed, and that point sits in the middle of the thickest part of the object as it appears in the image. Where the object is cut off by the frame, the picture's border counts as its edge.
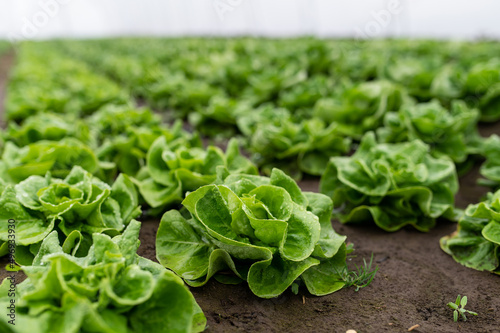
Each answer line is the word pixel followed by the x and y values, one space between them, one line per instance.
pixel 414 282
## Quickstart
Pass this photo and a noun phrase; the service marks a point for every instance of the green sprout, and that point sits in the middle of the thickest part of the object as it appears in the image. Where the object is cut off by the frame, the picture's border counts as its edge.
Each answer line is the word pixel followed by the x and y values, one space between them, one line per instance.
pixel 459 307
pixel 359 277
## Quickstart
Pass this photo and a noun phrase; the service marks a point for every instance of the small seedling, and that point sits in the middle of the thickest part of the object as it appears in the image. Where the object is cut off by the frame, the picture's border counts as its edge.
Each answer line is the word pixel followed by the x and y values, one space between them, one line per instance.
pixel 359 277
pixel 459 307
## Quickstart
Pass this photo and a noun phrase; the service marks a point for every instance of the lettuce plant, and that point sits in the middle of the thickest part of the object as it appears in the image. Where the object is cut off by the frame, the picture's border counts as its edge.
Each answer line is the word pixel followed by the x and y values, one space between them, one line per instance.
pixel 218 118
pixel 47 126
pixel 123 135
pixel 76 207
pixel 298 148
pixel 176 92
pixel 476 242
pixel 448 82
pixel 172 169
pixel 452 133
pixel 483 83
pixel 491 167
pixel 58 157
pixel 126 151
pixel 361 108
pixel 251 228
pixel 265 85
pixel 489 104
pixel 113 120
pixel 392 184
pixel 249 120
pixel 414 74
pixel 305 94
pixel 110 290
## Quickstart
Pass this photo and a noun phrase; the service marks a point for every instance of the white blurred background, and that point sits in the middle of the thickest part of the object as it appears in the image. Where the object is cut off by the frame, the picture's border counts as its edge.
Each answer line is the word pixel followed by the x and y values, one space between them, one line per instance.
pixel 456 19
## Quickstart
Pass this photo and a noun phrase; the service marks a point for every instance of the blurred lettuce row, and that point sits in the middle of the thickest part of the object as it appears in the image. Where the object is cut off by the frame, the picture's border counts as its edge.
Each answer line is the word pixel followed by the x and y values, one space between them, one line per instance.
pixel 262 230
pixel 451 133
pixel 174 168
pixel 474 78
pixel 391 184
pixel 58 157
pixel 476 242
pixel 219 118
pixel 289 73
pixel 302 140
pixel 303 143
pixel 295 73
pixel 126 135
pixel 114 139
pixel 75 207
pixel 490 169
pixel 45 79
pixel 330 82
pixel 273 137
pixel 109 290
pixel 424 76
pixel 109 120
pixel 48 126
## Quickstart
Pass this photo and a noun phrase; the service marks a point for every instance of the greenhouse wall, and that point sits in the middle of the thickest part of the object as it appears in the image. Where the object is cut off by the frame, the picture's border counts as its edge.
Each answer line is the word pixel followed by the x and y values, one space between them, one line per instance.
pixel 41 19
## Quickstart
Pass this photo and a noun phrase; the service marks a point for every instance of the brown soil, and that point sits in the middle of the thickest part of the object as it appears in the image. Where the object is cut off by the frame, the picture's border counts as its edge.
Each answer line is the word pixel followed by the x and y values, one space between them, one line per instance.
pixel 414 283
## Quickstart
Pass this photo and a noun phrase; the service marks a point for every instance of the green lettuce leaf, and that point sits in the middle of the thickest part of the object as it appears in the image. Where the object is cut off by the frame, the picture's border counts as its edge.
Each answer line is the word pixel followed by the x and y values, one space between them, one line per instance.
pixel 261 230
pixel 76 207
pixel 40 157
pixel 361 108
pixel 448 133
pixel 490 169
pixel 483 83
pixel 476 242
pixel 391 184
pixel 298 148
pixel 111 289
pixel 47 126
pixel 174 169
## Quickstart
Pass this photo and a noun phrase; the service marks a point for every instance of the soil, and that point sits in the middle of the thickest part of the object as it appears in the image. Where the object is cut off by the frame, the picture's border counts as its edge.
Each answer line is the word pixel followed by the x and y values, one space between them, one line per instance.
pixel 414 282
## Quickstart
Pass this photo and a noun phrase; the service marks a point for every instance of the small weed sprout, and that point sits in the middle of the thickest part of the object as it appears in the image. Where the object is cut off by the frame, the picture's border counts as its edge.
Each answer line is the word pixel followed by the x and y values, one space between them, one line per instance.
pixel 359 277
pixel 459 308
